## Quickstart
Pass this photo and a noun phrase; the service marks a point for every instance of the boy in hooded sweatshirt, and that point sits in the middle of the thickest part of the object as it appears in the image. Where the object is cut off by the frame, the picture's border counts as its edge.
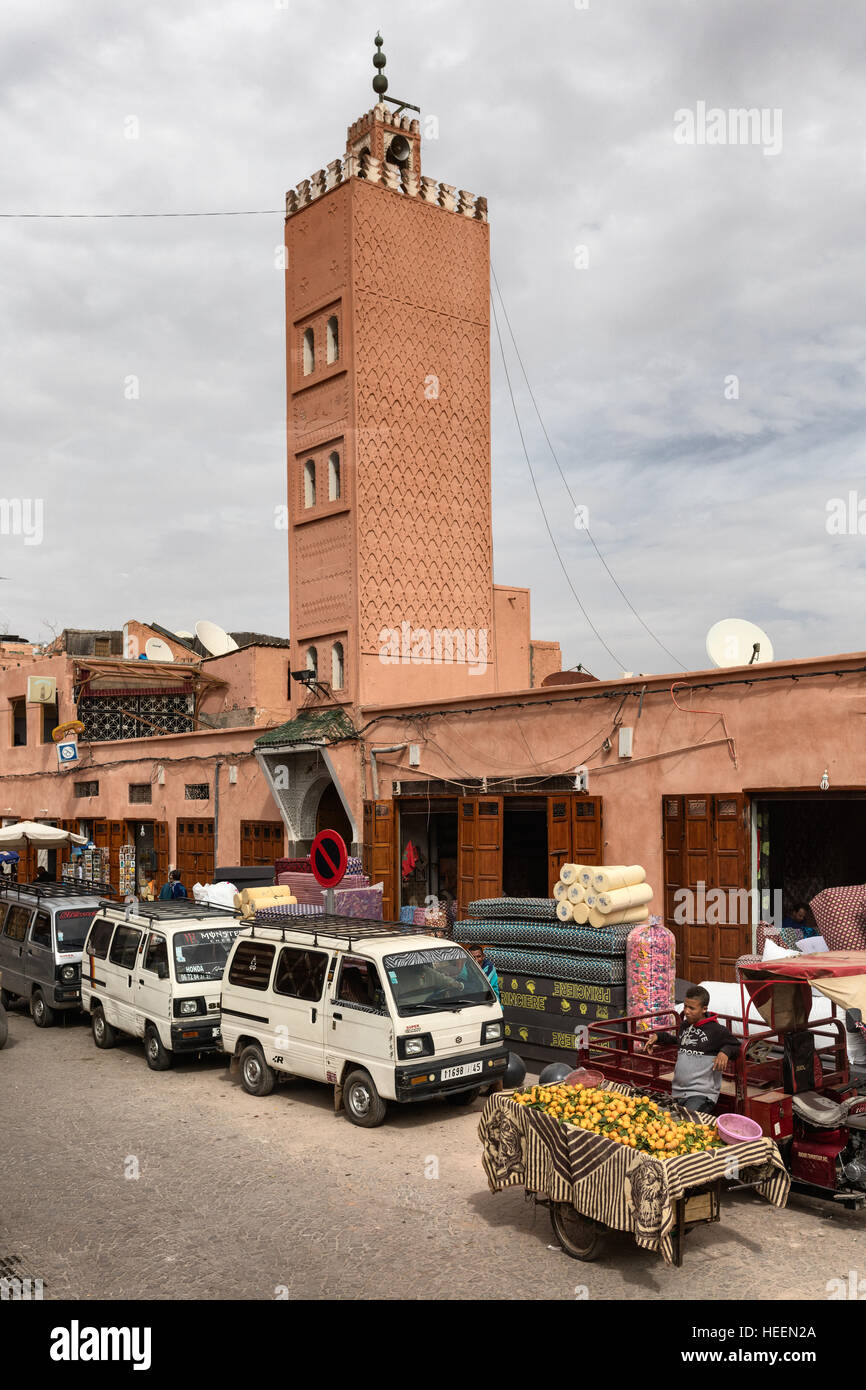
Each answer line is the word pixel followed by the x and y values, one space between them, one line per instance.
pixel 705 1048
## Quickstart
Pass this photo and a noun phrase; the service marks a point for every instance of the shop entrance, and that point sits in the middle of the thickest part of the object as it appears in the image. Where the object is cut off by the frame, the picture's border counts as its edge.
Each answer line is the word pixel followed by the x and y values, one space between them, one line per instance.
pixel 428 851
pixel 525 867
pixel 331 815
pixel 478 846
pixel 804 844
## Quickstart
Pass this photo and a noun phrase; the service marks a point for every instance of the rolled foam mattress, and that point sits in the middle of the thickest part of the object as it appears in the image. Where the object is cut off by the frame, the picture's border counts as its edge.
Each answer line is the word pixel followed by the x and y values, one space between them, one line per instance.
pixel 590 970
pixel 604 941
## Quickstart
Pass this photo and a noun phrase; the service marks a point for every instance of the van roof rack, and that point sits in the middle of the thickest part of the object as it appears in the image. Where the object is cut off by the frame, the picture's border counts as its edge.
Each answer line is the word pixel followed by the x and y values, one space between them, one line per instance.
pixel 170 909
pixel 335 927
pixel 74 888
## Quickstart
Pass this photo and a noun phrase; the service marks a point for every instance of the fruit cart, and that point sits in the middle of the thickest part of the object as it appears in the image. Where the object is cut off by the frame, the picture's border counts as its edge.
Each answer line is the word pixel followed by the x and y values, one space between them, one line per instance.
pixel 792 1077
pixel 646 1166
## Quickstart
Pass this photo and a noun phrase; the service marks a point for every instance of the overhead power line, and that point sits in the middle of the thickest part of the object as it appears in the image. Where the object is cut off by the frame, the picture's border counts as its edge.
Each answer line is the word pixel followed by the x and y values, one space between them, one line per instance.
pixel 55 216
pixel 613 577
pixel 556 549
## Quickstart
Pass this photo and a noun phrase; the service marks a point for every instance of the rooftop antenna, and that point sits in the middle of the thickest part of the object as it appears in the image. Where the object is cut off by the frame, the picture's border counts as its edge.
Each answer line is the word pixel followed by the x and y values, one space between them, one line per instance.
pixel 380 87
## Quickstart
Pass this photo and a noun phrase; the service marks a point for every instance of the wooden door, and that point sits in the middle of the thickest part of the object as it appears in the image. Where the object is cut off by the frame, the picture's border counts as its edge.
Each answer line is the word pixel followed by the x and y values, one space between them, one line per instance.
pixel 479 849
pixel 261 842
pixel 379 852
pixel 194 851
pixel 705 875
pixel 587 836
pixel 160 844
pixel 559 814
pixel 733 934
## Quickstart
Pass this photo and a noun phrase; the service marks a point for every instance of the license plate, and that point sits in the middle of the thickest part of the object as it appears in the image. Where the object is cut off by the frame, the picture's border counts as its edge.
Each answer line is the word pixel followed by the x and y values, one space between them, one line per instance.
pixel 468 1069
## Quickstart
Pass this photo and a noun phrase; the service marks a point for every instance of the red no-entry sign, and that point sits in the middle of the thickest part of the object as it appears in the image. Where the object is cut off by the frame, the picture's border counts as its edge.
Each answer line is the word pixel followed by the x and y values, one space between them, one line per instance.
pixel 328 858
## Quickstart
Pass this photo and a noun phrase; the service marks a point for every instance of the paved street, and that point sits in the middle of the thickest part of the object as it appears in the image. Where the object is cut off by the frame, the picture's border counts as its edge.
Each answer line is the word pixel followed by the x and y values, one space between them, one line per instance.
pixel 240 1198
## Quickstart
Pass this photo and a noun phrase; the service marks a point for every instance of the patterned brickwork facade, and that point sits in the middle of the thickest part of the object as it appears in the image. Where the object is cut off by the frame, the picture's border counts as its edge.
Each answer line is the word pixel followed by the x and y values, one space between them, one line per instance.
pixel 388 378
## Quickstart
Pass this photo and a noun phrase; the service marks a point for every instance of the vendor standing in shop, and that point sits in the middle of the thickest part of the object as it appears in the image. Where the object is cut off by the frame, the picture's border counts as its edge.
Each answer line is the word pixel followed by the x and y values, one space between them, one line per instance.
pixel 705 1048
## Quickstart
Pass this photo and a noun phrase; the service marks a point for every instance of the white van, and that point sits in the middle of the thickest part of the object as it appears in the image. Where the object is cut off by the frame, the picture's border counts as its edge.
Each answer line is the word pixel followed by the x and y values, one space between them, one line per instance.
pixel 378 1012
pixel 154 971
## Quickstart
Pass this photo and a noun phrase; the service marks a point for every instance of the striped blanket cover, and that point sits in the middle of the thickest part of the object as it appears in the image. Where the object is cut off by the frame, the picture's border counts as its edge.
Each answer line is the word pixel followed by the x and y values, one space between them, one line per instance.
pixel 530 909
pixel 625 1189
pixel 587 970
pixel 604 941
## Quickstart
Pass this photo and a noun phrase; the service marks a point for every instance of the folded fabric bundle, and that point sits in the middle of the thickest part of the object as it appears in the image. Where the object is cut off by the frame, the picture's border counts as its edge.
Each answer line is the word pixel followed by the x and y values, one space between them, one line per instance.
pixel 618 876
pixel 589 970
pixel 617 899
pixel 575 892
pixel 407 915
pixel 535 909
pixel 785 936
pixel 360 902
pixel 564 911
pixel 569 872
pixel 307 889
pixel 840 915
pixel 609 941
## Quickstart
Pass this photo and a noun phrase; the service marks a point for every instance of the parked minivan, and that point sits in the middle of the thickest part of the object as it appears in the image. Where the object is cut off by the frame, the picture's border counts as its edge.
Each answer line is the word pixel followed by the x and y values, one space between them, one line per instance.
pixel 42 931
pixel 153 971
pixel 379 1013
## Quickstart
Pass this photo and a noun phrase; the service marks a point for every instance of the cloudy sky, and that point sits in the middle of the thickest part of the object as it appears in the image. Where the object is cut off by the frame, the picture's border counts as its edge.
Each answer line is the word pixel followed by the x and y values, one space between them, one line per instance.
pixel 690 316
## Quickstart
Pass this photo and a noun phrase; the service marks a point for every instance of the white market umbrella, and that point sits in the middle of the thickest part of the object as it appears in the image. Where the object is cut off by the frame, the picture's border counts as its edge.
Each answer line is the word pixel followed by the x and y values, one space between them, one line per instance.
pixel 31 832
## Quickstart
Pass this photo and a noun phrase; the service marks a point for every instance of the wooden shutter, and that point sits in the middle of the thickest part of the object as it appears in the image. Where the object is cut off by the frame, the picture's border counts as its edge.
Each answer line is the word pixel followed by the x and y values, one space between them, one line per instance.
pixel 479 849
pixel 587 837
pixel 559 817
pixel 379 852
pixel 704 842
pixel 160 844
pixel 730 872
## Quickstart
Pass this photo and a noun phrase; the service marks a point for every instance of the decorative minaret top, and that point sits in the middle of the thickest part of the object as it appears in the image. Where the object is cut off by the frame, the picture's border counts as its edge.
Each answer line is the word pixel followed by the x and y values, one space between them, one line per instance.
pixel 384 147
pixel 380 81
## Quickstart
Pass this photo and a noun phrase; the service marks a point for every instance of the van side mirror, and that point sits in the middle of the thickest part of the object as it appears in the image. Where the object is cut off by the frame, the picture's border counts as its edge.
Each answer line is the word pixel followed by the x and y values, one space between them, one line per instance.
pixel 162 970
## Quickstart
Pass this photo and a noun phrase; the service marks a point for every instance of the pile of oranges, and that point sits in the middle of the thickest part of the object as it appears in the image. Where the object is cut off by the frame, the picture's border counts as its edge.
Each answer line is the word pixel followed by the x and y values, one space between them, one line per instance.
pixel 634 1121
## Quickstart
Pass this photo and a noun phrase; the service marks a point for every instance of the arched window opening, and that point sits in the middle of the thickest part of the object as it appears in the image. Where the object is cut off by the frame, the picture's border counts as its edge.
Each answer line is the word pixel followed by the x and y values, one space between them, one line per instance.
pixel 334 477
pixel 332 336
pixel 312 661
pixel 309 351
pixel 337 666
pixel 309 483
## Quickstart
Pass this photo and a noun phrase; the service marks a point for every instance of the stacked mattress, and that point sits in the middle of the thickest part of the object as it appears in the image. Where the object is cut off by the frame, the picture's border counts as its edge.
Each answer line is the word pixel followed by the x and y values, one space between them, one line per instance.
pixel 554 977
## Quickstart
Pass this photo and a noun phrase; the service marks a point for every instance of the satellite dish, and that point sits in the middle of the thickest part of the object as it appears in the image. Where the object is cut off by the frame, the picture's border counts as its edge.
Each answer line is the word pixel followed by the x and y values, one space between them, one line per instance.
pixel 736 642
pixel 213 639
pixel 157 650
pixel 185 636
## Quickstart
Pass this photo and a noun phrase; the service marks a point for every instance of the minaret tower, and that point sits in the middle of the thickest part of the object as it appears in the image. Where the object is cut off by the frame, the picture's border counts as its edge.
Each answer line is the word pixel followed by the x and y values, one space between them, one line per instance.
pixel 388 384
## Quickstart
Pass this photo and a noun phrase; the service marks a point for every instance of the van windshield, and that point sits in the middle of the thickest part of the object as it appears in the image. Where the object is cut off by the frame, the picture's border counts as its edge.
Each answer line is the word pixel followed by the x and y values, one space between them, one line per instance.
pixel 71 927
pixel 202 954
pixel 445 977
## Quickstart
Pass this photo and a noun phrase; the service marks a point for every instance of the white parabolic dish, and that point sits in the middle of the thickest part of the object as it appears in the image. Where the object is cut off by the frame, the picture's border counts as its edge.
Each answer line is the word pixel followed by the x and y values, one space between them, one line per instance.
pixel 732 642
pixel 213 639
pixel 157 650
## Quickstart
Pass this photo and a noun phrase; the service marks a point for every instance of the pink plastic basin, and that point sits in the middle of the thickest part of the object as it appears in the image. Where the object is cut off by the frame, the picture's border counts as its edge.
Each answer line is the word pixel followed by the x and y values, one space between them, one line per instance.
pixel 583 1077
pixel 738 1129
